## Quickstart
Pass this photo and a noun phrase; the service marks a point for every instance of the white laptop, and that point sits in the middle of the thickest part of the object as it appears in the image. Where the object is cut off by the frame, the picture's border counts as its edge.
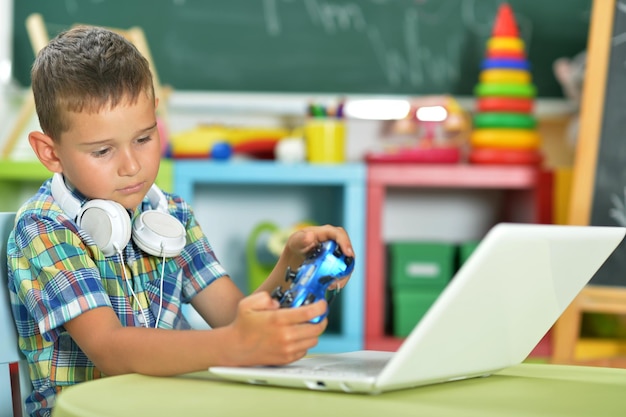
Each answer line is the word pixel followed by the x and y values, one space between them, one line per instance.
pixel 498 306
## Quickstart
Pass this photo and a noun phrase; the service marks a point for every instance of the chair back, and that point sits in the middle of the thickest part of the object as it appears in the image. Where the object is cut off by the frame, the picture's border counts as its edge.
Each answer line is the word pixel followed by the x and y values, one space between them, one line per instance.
pixel 15 383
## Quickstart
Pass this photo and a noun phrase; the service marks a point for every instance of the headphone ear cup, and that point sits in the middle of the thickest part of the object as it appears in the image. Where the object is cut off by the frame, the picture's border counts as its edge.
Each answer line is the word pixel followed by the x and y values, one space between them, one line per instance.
pixel 159 234
pixel 108 224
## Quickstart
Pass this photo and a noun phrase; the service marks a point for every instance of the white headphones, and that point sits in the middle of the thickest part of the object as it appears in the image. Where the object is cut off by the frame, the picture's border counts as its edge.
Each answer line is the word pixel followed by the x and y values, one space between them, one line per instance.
pixel 155 231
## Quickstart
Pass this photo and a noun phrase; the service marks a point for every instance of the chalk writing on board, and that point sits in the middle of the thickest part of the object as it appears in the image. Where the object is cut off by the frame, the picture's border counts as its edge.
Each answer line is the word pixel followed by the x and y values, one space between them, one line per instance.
pixel 618 211
pixel 348 46
pixel 619 38
pixel 413 60
pixel 72 6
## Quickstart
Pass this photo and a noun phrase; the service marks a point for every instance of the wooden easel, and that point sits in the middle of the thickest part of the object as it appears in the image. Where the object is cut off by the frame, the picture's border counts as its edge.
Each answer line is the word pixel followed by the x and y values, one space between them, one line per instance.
pixel 38 39
pixel 593 299
pixel 38 36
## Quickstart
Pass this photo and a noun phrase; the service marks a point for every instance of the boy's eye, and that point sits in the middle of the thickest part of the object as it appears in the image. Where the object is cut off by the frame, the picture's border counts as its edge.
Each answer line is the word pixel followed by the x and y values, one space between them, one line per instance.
pixel 144 139
pixel 100 152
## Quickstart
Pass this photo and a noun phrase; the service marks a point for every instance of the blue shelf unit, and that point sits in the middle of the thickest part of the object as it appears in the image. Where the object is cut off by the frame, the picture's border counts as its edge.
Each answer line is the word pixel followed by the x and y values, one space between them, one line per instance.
pixel 324 193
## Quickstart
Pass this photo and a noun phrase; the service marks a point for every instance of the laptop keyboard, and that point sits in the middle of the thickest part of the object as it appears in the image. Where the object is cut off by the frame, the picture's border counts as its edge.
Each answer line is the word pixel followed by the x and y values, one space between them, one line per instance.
pixel 343 368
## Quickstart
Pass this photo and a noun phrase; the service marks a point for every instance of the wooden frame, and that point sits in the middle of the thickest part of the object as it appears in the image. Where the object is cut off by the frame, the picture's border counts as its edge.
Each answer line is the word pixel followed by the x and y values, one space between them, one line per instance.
pixel 597 299
pixel 38 39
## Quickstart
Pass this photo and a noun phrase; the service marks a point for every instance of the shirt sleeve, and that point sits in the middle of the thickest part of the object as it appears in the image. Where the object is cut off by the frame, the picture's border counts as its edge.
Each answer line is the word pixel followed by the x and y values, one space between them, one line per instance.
pixel 54 275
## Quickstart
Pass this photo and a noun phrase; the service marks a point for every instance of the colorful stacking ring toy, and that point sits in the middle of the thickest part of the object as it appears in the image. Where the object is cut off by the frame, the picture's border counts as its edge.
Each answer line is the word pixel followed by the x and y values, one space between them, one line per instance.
pixel 505 138
pixel 504 120
pixel 504 126
pixel 506 104
pixel 505 156
pixel 505 90
pixel 505 76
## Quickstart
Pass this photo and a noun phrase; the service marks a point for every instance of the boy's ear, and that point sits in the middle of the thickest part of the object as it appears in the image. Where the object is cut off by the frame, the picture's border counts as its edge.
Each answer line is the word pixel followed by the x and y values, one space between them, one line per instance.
pixel 44 148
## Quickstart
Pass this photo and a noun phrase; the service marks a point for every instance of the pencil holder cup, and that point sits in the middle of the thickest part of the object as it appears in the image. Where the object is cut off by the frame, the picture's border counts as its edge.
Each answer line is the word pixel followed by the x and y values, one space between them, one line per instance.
pixel 325 141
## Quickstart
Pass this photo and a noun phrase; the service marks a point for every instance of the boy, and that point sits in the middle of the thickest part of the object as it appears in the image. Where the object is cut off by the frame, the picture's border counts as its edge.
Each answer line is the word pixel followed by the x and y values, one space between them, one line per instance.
pixel 87 306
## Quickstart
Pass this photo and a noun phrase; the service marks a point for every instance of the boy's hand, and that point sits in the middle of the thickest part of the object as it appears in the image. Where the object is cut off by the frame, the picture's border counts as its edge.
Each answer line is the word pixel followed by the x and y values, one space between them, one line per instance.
pixel 301 242
pixel 264 334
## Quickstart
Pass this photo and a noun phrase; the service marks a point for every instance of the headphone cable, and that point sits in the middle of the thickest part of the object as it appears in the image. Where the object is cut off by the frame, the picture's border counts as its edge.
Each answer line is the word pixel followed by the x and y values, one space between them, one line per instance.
pixel 161 293
pixel 130 287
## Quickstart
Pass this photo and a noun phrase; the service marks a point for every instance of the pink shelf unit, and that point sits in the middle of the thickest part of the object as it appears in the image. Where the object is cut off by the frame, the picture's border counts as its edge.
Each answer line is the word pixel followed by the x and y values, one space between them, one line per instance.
pixel 528 198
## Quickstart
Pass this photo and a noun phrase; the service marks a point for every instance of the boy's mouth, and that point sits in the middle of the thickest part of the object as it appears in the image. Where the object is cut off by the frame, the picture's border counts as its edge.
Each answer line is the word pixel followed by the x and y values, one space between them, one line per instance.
pixel 132 188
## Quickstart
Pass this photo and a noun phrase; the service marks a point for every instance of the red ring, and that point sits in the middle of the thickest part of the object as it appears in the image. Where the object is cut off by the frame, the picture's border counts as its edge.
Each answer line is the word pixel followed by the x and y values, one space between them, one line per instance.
pixel 505 156
pixel 505 104
pixel 503 53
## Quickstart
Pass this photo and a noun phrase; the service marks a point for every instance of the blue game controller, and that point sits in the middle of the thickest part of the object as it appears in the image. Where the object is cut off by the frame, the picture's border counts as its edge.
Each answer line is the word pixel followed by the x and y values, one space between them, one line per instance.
pixel 322 266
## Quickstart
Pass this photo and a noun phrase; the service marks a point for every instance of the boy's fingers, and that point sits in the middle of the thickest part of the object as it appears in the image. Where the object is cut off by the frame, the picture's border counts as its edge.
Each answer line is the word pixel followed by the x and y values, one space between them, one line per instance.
pixel 338 284
pixel 260 301
pixel 339 235
pixel 310 236
pixel 303 314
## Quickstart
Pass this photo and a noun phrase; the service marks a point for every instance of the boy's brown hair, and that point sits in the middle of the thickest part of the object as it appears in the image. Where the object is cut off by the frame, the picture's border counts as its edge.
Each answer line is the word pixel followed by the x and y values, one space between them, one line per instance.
pixel 86 68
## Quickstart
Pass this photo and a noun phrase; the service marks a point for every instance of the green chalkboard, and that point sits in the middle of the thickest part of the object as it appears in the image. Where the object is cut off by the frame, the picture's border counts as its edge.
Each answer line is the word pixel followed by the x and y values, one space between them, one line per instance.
pixel 599 187
pixel 322 46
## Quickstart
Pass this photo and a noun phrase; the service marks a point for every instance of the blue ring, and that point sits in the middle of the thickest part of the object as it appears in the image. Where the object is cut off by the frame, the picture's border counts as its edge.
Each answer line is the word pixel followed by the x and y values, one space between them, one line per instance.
pixel 490 63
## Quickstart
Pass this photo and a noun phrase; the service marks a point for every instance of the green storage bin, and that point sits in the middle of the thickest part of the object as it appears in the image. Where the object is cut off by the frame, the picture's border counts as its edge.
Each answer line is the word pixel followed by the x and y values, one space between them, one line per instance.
pixel 421 265
pixel 409 306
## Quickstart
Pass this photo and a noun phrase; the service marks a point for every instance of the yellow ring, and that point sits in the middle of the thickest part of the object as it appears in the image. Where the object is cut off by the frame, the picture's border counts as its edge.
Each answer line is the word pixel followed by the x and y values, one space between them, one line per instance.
pixel 506 43
pixel 505 76
pixel 505 138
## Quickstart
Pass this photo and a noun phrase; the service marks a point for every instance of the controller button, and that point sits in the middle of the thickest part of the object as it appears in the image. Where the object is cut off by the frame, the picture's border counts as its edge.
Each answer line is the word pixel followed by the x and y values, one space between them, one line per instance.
pixel 278 293
pixel 288 298
pixel 290 275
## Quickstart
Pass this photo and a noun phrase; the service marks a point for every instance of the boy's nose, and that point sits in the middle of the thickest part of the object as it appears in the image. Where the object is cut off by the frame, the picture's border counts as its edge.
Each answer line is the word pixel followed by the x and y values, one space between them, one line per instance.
pixel 129 163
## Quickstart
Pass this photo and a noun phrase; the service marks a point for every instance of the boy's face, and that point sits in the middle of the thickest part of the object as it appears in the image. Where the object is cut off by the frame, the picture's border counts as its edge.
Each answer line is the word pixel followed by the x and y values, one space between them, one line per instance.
pixel 113 154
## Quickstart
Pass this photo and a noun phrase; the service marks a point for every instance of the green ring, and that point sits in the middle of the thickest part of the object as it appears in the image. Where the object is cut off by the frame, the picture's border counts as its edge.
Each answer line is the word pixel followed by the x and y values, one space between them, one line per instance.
pixel 506 120
pixel 505 90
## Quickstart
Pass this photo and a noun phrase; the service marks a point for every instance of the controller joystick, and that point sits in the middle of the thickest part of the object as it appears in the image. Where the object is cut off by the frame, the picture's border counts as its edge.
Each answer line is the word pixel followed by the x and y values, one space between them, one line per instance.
pixel 278 293
pixel 322 266
pixel 290 276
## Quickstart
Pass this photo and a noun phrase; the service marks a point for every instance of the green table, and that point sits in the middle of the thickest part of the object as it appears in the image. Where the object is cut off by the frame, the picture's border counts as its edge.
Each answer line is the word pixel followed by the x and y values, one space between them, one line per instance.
pixel 523 390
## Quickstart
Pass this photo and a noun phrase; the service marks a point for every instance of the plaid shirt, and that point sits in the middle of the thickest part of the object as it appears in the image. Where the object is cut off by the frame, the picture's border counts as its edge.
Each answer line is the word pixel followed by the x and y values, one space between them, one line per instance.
pixel 56 272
